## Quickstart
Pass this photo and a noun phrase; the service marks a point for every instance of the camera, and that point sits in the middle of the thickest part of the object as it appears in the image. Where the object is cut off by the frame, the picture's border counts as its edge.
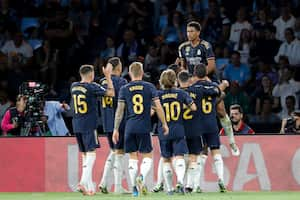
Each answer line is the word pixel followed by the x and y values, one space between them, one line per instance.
pixel 291 123
pixel 34 93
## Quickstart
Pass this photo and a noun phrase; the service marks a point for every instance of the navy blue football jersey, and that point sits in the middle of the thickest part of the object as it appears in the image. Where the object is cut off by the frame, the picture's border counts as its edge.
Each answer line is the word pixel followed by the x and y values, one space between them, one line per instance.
pixel 138 97
pixel 108 105
pixel 84 105
pixel 173 101
pixel 195 55
pixel 202 120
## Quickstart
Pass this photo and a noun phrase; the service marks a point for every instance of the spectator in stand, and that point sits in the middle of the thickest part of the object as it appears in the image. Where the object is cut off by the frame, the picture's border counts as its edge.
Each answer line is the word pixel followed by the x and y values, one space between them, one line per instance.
pixel 263 20
pixel 60 33
pixel 225 34
pixel 284 21
pixel 266 115
pixel 129 49
pixel 236 71
pixel 283 63
pixel 290 102
pixel 18 50
pixel 80 16
pixel 290 48
pixel 13 118
pixel 238 125
pixel 222 58
pixel 264 90
pixel 286 86
pixel 266 46
pixel 237 96
pixel 162 22
pixel 108 52
pixel 240 24
pixel 212 26
pixel 152 62
pixel 175 31
pixel 8 15
pixel 184 7
pixel 140 8
pixel 265 69
pixel 243 46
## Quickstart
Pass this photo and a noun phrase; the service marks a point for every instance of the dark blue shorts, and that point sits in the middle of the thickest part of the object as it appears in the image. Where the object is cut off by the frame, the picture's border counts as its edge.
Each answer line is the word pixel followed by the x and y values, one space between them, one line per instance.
pixel 175 147
pixel 87 141
pixel 194 144
pixel 138 142
pixel 120 144
pixel 212 140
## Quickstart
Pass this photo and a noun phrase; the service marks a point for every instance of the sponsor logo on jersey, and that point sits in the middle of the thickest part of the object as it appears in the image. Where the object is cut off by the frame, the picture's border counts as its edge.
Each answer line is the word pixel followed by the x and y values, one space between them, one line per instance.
pixel 199 52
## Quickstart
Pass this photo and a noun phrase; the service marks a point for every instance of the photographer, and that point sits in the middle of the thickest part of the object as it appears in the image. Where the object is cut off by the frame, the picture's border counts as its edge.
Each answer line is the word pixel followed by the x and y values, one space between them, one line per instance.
pixel 13 119
pixel 291 125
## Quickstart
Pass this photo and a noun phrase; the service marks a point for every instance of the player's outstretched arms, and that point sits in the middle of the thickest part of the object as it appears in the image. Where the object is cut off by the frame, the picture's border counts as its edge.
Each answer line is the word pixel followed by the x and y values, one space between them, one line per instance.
pixel 107 70
pixel 161 115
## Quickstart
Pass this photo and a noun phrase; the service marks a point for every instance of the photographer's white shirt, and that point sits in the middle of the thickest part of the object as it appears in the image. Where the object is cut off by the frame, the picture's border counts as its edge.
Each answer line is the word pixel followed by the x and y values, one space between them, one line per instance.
pixel 53 110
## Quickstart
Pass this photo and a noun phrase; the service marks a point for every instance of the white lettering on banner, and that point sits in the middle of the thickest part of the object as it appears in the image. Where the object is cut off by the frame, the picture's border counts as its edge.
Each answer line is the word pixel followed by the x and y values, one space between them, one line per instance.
pixel 213 185
pixel 73 166
pixel 296 166
pixel 242 177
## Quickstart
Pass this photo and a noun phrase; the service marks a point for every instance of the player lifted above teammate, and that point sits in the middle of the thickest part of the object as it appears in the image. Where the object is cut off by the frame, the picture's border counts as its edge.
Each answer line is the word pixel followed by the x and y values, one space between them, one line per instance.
pixel 197 51
pixel 84 102
pixel 136 98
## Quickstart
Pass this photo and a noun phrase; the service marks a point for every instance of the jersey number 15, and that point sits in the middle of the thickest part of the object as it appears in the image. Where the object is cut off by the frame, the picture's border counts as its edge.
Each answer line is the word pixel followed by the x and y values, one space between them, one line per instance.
pixel 80 105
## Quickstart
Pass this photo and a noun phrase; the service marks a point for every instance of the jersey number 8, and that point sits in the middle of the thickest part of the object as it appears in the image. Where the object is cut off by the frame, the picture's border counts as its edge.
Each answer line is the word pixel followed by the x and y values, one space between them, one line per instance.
pixel 138 106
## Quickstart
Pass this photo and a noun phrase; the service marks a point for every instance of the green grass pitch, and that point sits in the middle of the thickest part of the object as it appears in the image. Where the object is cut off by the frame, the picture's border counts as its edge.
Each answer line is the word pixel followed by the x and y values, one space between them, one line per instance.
pixel 152 196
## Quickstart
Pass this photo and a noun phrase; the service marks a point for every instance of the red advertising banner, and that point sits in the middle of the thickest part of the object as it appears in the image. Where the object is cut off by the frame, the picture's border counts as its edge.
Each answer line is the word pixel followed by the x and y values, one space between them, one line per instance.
pixel 54 164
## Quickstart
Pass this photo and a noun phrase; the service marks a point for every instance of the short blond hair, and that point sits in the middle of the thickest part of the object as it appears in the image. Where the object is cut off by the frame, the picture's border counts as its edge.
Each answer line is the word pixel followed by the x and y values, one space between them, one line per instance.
pixel 136 69
pixel 167 79
pixel 86 69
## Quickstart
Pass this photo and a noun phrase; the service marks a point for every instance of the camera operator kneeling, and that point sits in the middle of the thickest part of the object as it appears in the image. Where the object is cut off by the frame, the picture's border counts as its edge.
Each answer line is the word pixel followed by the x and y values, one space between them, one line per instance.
pixel 291 125
pixel 13 119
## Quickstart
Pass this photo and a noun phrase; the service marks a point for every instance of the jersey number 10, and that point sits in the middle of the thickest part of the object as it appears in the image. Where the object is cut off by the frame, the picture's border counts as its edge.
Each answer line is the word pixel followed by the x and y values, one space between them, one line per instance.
pixel 172 111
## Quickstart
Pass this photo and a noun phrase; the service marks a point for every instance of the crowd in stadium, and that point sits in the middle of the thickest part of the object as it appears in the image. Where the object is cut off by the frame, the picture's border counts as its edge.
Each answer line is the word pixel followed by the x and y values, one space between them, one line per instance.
pixel 255 42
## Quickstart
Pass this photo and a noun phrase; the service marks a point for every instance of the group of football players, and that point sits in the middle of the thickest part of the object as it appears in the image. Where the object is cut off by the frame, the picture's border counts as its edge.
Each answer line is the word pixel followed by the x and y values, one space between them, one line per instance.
pixel 187 105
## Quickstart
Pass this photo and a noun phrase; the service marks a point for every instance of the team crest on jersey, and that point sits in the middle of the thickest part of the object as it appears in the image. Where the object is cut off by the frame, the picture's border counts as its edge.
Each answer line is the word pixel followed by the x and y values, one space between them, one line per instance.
pixel 187 50
pixel 199 52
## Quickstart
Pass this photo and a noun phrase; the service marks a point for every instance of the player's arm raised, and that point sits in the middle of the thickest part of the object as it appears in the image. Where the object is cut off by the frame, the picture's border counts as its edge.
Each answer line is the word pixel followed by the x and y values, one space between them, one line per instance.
pixel 161 115
pixel 110 91
pixel 118 118
pixel 224 84
pixel 181 60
